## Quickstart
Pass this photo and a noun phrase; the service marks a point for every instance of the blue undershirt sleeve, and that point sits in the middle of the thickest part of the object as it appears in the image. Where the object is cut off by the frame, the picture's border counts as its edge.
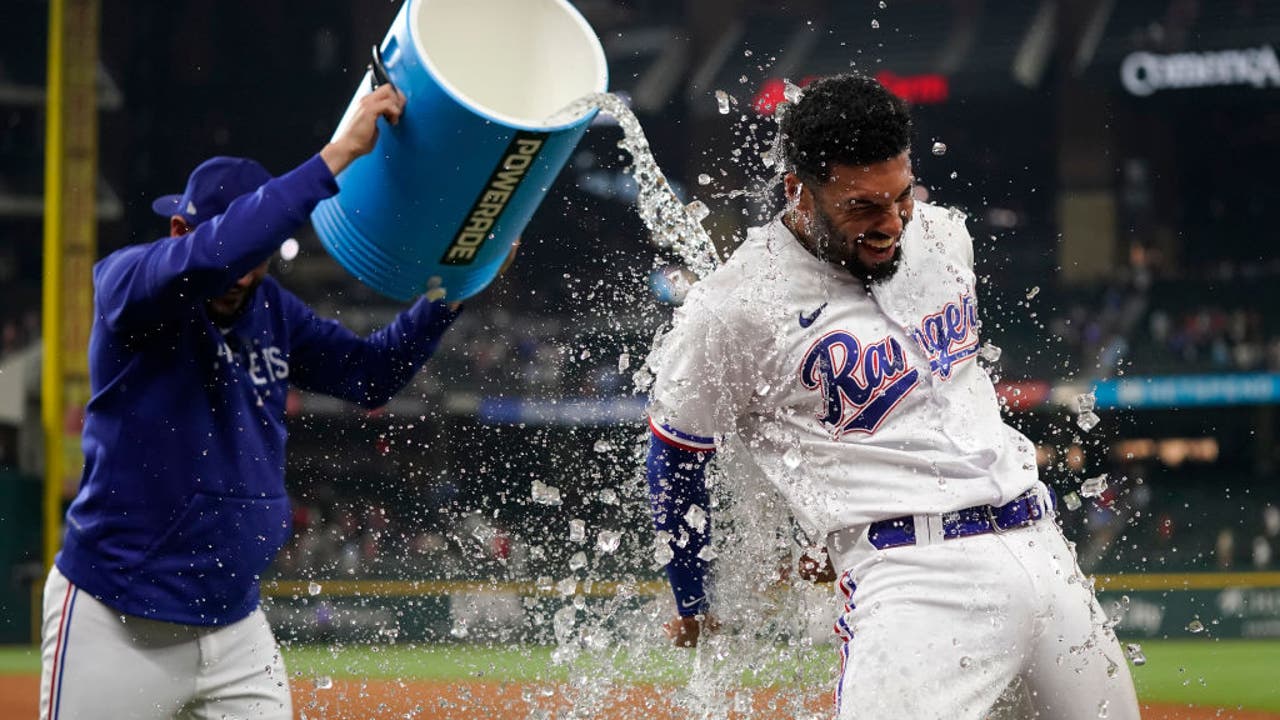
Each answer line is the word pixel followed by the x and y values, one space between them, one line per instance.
pixel 677 483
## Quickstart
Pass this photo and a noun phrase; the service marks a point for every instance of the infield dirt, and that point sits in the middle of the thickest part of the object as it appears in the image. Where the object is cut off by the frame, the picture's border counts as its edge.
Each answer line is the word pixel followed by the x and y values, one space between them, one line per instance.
pixel 398 700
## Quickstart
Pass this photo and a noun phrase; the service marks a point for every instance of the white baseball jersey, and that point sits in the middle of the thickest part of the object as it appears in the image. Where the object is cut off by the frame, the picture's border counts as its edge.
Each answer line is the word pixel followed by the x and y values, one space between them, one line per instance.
pixel 859 406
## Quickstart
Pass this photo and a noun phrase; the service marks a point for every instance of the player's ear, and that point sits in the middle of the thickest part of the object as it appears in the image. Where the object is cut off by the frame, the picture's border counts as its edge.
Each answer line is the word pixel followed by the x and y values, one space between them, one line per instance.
pixel 178 226
pixel 792 186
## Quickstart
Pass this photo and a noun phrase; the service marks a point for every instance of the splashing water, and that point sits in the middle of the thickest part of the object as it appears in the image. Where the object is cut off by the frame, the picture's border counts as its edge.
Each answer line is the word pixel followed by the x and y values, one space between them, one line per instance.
pixel 779 623
pixel 670 223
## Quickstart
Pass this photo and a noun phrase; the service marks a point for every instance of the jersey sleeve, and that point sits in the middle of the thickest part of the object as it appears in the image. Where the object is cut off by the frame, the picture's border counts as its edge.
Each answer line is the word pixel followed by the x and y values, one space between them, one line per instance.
pixel 142 284
pixel 706 372
pixel 329 358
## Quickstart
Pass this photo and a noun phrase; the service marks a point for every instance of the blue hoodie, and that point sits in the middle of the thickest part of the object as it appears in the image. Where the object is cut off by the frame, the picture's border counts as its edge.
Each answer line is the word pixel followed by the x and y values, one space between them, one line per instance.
pixel 182 503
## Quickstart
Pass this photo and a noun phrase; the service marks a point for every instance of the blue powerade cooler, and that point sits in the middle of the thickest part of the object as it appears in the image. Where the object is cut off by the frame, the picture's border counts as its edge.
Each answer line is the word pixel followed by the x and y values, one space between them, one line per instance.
pixel 435 207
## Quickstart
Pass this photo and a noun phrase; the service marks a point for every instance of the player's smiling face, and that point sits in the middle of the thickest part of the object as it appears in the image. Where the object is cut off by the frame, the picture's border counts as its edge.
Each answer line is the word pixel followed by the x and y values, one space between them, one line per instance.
pixel 856 218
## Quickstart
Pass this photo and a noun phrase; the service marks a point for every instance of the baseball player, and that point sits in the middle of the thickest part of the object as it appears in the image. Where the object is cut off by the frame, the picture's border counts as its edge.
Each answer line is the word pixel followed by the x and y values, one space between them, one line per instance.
pixel 837 346
pixel 151 610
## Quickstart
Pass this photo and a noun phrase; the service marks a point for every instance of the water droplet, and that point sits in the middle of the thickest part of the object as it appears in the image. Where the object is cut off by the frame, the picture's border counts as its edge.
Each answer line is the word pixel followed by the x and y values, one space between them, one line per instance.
pixel 704 179
pixel 954 175
pixel 1033 292
pixel 966 661
pixel 607 541
pixel 875 24
pixel 883 5
pixel 696 518
pixel 1072 501
pixel 792 458
pixel 939 149
pixel 1195 626
pixel 324 682
pixel 602 446
pixel 722 102
pixel 742 79
pixel 577 531
pixel 791 92
pixel 1134 651
pixel 313 588
pixel 1112 668
pixel 1094 486
pixel 624 362
pixel 609 496
pixel 990 352
pixel 1088 420
pixel 1103 710
pixel 707 554
pixel 544 494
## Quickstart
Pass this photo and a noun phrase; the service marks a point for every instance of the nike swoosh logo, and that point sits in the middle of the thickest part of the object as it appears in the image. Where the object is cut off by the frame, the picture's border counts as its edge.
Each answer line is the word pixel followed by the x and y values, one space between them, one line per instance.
pixel 691 603
pixel 807 321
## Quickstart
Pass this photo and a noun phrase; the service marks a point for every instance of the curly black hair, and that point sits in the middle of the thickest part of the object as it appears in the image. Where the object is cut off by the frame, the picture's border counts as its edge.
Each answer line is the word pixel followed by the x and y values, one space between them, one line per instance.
pixel 843 120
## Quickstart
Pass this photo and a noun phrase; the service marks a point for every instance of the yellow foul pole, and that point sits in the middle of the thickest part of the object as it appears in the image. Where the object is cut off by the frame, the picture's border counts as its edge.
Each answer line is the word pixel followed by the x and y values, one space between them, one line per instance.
pixel 52 403
pixel 70 246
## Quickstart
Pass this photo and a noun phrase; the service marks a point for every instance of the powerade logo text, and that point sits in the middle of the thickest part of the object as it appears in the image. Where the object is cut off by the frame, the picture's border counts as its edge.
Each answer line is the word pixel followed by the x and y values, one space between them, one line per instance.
pixel 493 199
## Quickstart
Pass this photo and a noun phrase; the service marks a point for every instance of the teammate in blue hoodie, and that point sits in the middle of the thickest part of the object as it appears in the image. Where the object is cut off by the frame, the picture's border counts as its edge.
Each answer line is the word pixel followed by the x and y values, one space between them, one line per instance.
pixel 151 610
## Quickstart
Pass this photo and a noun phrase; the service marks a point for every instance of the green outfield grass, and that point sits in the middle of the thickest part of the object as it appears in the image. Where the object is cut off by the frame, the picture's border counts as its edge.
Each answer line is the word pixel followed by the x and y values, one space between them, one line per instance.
pixel 1214 673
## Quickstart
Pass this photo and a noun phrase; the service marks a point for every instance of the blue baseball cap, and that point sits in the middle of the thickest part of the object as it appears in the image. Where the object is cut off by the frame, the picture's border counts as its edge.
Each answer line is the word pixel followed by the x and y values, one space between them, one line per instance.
pixel 211 188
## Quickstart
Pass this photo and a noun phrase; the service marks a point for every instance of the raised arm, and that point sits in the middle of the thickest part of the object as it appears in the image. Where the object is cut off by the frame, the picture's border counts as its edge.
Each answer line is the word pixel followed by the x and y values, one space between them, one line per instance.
pixel 145 283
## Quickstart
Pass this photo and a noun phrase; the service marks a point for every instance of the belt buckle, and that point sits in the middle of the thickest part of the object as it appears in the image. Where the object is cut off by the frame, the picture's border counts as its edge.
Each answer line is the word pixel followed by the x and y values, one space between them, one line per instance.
pixel 995 524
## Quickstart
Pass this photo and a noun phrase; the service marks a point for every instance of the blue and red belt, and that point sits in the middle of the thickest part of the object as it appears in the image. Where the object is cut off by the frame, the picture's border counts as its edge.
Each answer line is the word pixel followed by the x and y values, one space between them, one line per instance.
pixel 1024 510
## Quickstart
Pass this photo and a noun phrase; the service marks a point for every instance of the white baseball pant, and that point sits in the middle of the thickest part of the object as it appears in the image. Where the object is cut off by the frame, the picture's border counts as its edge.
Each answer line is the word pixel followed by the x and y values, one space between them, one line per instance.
pixel 941 628
pixel 98 663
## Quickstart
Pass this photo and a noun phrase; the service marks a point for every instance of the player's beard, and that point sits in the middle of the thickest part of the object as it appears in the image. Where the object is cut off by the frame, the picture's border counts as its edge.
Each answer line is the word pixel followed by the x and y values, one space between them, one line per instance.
pixel 228 307
pixel 834 246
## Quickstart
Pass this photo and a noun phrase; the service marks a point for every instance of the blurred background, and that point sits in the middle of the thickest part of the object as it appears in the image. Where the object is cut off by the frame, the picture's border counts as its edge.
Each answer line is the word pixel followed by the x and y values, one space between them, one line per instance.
pixel 1116 161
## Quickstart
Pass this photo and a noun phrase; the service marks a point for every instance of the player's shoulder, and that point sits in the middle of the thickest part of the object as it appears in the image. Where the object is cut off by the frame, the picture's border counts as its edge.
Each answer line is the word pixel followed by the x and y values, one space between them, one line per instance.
pixel 733 292
pixel 940 220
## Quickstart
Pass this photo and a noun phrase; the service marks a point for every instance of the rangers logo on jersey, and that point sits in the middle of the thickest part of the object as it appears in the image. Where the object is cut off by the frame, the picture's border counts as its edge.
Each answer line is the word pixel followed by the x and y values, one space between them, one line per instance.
pixel 949 336
pixel 860 385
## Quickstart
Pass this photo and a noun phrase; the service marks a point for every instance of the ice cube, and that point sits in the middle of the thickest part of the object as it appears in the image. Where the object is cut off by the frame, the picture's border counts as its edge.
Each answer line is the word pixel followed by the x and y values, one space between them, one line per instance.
pixel 990 352
pixel 577 530
pixel 696 518
pixel 939 149
pixel 722 102
pixel 544 494
pixel 607 541
pixel 1088 420
pixel 1072 501
pixel 1094 486
pixel 792 458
